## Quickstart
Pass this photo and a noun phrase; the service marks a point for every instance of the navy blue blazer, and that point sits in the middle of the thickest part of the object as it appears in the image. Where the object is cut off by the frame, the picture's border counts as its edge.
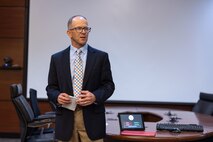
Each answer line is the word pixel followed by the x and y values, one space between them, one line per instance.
pixel 97 79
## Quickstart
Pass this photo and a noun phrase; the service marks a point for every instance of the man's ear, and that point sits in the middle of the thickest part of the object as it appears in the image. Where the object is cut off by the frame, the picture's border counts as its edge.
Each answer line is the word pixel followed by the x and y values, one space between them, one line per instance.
pixel 69 33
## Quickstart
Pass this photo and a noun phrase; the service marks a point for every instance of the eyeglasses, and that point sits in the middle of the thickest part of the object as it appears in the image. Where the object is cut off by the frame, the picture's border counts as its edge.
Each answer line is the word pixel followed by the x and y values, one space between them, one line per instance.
pixel 80 29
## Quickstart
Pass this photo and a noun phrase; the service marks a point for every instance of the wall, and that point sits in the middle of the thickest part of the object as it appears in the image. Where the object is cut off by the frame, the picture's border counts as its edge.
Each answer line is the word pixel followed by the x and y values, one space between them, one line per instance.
pixel 13 26
pixel 160 55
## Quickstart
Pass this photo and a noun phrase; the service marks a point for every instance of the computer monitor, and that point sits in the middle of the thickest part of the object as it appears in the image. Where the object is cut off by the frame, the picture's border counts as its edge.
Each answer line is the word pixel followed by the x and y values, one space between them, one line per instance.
pixel 131 121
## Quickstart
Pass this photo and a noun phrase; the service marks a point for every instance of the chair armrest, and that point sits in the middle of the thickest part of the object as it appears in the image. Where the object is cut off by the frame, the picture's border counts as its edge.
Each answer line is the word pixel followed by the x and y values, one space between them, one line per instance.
pixel 45 116
pixel 36 124
pixel 50 113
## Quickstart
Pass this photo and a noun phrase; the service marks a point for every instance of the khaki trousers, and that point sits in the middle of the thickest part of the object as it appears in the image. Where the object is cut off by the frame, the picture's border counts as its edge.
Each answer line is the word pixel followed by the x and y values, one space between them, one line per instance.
pixel 79 132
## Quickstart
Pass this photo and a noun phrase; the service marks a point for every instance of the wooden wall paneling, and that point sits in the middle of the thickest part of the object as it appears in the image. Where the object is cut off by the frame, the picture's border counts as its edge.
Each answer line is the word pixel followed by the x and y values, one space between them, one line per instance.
pixel 12 35
pixel 12 22
pixel 13 48
pixel 12 2
pixel 9 77
pixel 9 121
pixel 44 106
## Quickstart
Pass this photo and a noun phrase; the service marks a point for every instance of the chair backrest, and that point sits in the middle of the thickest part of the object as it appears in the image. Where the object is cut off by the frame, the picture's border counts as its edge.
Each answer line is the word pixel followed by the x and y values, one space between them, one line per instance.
pixel 16 90
pixel 21 102
pixel 34 102
pixel 26 117
pixel 23 110
pixel 204 104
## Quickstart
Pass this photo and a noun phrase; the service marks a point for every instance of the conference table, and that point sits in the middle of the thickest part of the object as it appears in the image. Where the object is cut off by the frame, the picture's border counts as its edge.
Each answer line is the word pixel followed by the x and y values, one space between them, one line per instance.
pixel 152 116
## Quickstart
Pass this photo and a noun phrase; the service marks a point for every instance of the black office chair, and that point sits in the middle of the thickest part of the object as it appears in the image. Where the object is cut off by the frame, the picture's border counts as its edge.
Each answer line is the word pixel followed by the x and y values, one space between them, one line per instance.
pixel 53 106
pixel 35 106
pixel 31 128
pixel 204 104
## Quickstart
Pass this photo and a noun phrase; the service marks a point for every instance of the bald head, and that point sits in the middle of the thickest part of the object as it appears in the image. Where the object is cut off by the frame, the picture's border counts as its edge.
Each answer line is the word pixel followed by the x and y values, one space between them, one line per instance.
pixel 75 19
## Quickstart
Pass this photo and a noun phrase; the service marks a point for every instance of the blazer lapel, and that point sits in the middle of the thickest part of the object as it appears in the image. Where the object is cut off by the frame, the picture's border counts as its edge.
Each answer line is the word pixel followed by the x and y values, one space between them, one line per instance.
pixel 91 57
pixel 66 67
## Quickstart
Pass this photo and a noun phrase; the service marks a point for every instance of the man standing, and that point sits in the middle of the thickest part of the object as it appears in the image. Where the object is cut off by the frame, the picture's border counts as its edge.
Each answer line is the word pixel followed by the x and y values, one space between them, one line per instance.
pixel 84 73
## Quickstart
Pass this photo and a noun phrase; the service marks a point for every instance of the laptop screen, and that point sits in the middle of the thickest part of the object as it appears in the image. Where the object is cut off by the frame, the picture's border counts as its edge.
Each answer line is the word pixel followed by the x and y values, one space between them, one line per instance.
pixel 131 121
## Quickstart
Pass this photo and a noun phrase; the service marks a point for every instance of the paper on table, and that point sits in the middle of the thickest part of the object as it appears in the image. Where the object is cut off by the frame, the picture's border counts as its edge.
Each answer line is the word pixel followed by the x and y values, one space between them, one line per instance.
pixel 72 105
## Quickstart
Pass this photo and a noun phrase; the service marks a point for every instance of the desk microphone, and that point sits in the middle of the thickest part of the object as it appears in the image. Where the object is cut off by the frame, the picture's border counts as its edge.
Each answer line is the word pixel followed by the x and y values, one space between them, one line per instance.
pixel 169 113
pixel 174 119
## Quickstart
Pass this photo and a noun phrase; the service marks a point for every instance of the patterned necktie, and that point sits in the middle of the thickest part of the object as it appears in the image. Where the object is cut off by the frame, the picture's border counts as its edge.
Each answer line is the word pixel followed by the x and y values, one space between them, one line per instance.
pixel 78 74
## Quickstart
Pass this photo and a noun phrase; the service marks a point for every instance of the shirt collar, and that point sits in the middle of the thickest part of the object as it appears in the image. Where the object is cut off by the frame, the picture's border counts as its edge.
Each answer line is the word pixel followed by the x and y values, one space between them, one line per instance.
pixel 83 48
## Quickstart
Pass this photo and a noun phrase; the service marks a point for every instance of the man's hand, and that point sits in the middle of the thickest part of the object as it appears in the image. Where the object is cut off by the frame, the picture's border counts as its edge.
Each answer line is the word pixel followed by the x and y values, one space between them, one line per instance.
pixel 85 98
pixel 64 98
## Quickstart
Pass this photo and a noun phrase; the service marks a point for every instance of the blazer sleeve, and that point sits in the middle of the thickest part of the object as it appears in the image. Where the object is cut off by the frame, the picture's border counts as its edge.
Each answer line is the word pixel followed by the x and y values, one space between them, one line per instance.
pixel 52 87
pixel 107 87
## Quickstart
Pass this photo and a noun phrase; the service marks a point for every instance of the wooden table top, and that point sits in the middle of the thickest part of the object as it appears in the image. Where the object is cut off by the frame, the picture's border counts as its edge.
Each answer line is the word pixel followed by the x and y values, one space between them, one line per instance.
pixel 152 116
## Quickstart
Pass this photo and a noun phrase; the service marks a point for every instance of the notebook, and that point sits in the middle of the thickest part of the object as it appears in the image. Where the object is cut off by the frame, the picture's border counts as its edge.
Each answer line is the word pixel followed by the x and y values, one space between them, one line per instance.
pixel 132 123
